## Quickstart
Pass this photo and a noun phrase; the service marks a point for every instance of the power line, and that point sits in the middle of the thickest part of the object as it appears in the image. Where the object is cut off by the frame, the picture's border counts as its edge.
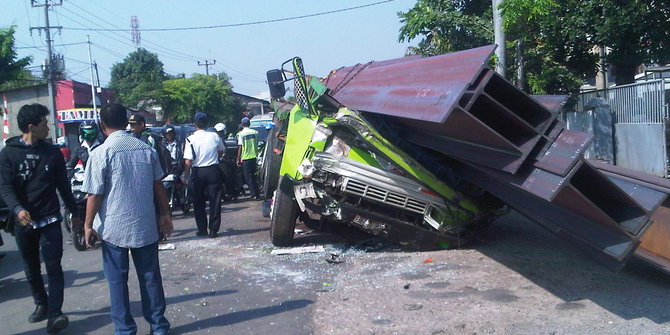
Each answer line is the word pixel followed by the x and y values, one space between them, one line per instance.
pixel 55 45
pixel 165 52
pixel 237 24
pixel 162 50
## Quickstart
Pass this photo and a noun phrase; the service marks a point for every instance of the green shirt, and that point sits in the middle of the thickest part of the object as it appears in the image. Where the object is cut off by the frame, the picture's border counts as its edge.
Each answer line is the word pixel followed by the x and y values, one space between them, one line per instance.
pixel 248 139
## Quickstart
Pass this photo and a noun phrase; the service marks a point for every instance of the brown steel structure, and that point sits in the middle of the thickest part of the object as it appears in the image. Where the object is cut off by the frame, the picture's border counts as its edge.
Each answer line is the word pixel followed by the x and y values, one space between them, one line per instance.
pixel 504 141
pixel 475 113
pixel 649 191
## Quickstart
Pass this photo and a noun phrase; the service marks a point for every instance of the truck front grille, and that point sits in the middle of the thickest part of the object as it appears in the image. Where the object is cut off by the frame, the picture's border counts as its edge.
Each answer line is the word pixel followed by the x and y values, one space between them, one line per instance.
pixel 381 195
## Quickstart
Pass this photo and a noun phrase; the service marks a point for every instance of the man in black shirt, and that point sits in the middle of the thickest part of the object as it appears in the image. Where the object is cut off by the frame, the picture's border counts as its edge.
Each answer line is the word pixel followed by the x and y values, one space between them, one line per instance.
pixel 31 171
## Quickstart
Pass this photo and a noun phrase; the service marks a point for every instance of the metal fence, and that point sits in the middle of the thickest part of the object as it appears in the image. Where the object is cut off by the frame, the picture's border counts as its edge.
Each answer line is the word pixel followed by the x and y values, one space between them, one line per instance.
pixel 634 103
pixel 637 128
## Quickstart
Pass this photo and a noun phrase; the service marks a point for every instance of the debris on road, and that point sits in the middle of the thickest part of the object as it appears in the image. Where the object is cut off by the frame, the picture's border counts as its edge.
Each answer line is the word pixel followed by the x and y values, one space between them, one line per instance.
pixel 166 246
pixel 334 259
pixel 298 250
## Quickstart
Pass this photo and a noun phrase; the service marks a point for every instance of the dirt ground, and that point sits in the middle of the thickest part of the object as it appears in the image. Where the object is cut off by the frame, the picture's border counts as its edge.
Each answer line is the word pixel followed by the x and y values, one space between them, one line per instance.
pixel 518 279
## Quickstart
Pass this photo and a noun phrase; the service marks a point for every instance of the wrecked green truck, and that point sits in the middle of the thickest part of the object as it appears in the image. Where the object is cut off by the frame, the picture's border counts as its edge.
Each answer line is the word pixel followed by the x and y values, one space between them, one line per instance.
pixel 430 150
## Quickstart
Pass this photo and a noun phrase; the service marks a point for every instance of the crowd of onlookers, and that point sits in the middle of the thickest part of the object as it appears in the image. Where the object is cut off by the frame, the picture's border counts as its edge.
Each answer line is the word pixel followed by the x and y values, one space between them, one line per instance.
pixel 127 208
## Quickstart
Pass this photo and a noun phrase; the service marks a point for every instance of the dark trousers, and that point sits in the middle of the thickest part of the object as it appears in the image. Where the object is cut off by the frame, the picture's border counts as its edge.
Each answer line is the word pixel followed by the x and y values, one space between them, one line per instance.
pixel 249 169
pixel 207 186
pixel 115 264
pixel 48 240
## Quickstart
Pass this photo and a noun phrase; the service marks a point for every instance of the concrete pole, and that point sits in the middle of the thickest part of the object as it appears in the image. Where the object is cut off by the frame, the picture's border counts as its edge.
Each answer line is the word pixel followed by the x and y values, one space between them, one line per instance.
pixel 90 62
pixel 499 37
pixel 50 74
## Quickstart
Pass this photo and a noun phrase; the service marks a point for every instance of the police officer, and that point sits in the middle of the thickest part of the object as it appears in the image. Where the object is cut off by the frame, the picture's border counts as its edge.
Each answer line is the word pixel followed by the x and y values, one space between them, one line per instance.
pixel 247 141
pixel 138 127
pixel 88 132
pixel 202 151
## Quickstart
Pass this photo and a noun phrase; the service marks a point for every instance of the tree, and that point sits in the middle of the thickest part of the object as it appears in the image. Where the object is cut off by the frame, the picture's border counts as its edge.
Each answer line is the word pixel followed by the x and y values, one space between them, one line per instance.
pixel 11 69
pixel 447 26
pixel 557 36
pixel 183 97
pixel 637 31
pixel 138 80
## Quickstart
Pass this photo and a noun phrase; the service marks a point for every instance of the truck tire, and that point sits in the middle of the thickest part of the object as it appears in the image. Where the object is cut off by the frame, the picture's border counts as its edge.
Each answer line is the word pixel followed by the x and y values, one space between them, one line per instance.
pixel 282 218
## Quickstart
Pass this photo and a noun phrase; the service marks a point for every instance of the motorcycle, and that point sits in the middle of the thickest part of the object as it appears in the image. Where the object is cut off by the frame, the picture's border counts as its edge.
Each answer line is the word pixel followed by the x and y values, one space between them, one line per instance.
pixel 77 231
pixel 178 195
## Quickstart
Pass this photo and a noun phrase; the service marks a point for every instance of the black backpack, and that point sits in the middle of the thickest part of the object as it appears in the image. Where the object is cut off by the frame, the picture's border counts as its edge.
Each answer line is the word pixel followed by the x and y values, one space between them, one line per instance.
pixel 164 156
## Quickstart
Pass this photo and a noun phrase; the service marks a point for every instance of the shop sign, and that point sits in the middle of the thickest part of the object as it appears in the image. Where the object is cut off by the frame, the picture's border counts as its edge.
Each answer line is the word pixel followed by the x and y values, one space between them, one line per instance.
pixel 77 115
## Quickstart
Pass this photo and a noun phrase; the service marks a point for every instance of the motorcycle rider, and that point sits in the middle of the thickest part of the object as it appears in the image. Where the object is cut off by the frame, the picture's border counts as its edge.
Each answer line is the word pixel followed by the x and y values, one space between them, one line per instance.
pixel 176 149
pixel 88 133
pixel 176 154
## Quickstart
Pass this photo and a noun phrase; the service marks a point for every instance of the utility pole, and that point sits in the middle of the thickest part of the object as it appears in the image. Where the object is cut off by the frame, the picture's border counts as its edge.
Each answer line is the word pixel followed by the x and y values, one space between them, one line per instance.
pixel 499 37
pixel 206 64
pixel 50 68
pixel 520 75
pixel 93 95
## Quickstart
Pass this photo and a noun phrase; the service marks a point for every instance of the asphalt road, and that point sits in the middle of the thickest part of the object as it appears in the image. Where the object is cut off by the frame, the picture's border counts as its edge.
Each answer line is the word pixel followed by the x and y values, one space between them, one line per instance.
pixel 517 279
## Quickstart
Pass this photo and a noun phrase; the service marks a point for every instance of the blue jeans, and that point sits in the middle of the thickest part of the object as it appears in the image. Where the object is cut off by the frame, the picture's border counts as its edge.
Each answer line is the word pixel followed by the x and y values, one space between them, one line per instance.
pixel 115 265
pixel 48 240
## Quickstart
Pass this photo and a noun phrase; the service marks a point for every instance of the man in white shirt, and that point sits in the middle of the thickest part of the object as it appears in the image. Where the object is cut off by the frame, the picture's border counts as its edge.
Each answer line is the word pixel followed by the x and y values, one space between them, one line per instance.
pixel 201 158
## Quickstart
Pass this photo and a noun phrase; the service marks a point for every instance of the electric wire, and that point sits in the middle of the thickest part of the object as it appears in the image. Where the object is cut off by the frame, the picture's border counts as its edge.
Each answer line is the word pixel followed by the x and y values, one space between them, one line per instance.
pixel 241 24
pixel 166 52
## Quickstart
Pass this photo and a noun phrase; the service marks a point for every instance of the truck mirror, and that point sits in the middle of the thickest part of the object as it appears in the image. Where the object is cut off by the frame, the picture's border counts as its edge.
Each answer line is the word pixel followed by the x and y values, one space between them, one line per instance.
pixel 276 83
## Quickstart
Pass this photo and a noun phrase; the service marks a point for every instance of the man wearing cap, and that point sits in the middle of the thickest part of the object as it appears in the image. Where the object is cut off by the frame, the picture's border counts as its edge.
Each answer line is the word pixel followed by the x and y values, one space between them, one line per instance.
pixel 176 150
pixel 247 151
pixel 138 127
pixel 201 157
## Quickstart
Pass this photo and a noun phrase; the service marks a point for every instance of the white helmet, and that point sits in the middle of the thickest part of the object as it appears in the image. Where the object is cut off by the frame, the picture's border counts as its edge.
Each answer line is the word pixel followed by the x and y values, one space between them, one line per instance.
pixel 220 127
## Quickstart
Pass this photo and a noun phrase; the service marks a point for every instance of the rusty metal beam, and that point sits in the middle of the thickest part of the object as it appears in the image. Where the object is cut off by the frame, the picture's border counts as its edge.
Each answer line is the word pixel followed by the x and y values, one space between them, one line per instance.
pixel 472 112
pixel 652 192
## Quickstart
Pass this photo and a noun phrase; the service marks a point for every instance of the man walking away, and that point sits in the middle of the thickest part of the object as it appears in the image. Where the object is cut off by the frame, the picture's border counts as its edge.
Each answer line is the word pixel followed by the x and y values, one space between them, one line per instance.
pixel 31 171
pixel 123 179
pixel 247 141
pixel 201 157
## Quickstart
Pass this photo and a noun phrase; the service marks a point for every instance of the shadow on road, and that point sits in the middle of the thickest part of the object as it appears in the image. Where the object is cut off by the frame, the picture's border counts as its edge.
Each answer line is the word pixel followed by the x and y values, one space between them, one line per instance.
pixel 241 316
pixel 236 232
pixel 561 269
pixel 73 275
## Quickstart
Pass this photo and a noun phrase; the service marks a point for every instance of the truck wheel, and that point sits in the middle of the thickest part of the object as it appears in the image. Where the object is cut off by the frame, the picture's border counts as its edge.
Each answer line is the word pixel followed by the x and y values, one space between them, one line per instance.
pixel 282 218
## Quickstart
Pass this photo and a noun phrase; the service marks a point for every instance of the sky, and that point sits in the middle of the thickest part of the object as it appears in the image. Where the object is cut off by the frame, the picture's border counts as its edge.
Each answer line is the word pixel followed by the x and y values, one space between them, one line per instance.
pixel 245 52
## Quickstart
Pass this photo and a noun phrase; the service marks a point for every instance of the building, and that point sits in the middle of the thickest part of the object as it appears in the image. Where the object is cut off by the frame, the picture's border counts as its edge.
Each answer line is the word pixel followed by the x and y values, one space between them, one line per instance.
pixel 253 105
pixel 74 104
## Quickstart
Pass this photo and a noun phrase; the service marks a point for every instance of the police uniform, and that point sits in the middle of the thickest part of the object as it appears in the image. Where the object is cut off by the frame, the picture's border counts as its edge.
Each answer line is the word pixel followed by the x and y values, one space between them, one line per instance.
pixel 202 148
pixel 247 140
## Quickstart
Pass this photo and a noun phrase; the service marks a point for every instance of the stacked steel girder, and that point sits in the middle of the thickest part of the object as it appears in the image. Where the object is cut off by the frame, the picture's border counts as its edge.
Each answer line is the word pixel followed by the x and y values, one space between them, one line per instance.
pixel 649 191
pixel 501 139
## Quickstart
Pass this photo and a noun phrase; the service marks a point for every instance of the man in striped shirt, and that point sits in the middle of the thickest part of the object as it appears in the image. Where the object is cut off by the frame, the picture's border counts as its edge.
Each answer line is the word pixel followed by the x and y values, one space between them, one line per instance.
pixel 123 179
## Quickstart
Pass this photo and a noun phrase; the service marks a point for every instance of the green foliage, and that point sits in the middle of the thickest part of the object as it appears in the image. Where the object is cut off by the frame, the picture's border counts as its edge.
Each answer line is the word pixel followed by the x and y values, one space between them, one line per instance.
pixel 183 97
pixel 12 71
pixel 138 80
pixel 557 36
pixel 24 78
pixel 447 26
